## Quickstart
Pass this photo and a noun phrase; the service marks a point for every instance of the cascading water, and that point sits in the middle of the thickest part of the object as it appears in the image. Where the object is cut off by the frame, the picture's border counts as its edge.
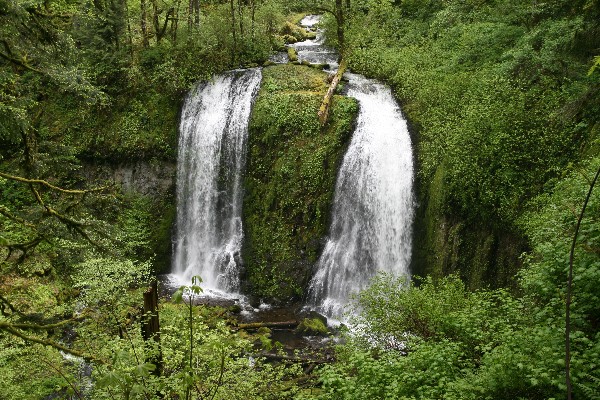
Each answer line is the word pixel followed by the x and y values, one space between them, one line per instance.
pixel 313 50
pixel 373 203
pixel 212 153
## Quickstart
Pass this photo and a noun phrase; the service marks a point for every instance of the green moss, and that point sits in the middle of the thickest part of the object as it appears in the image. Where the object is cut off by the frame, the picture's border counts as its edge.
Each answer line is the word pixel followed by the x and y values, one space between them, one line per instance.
pixel 292 55
pixel 312 326
pixel 292 165
pixel 136 126
pixel 450 244
pixel 294 33
pixel 161 233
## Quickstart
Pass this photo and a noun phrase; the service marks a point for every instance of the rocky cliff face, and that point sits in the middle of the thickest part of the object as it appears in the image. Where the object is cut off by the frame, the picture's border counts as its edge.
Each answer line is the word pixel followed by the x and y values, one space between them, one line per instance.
pixel 147 178
pixel 155 181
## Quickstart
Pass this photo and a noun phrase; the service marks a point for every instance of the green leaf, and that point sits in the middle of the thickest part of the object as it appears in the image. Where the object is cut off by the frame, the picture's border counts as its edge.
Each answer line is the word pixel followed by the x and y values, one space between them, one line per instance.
pixel 138 389
pixel 145 369
pixel 112 378
pixel 178 295
pixel 196 280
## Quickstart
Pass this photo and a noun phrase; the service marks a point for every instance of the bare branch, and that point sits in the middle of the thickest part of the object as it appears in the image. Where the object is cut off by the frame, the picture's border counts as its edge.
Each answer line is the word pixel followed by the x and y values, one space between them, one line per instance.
pixel 51 186
pixel 5 302
pixel 36 11
pixel 8 56
pixel 6 212
pixel 37 327
pixel 570 289
pixel 50 343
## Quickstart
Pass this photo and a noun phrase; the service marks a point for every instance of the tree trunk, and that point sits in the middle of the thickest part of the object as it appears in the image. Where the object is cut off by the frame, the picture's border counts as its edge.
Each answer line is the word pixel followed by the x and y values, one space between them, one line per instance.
pixel 252 15
pixel 241 18
pixel 190 15
pixel 278 325
pixel 175 22
pixel 151 326
pixel 295 359
pixel 197 12
pixel 129 34
pixel 144 24
pixel 234 47
pixel 339 19
pixel 158 30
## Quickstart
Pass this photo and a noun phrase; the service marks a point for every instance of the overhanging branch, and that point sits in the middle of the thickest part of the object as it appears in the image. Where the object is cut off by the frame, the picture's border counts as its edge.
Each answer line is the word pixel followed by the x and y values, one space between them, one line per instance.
pixel 51 186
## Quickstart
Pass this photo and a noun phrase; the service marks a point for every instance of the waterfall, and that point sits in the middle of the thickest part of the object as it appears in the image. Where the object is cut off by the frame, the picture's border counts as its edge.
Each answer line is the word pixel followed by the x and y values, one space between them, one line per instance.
pixel 373 203
pixel 212 152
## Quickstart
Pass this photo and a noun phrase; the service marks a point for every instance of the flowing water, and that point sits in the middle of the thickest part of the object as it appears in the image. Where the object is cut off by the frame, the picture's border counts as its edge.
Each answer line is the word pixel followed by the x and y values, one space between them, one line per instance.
pixel 373 204
pixel 212 153
pixel 313 50
pixel 372 211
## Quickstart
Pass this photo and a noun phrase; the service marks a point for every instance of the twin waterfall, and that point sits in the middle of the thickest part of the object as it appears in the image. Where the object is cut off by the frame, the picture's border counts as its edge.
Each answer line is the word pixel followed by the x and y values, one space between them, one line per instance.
pixel 212 152
pixel 373 203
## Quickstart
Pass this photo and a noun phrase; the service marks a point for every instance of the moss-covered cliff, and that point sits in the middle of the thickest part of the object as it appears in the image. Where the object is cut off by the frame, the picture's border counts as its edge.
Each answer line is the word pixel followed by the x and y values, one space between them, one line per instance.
pixel 290 178
pixel 446 243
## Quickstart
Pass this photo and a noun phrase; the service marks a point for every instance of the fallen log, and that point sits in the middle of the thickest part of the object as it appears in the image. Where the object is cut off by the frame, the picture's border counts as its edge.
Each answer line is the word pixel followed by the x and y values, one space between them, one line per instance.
pixel 295 359
pixel 326 104
pixel 276 325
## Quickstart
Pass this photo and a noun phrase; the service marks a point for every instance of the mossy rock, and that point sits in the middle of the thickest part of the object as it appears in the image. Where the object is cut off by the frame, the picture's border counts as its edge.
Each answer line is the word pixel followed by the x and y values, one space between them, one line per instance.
pixel 312 327
pixel 319 66
pixel 449 244
pixel 290 29
pixel 289 39
pixel 290 179
pixel 292 54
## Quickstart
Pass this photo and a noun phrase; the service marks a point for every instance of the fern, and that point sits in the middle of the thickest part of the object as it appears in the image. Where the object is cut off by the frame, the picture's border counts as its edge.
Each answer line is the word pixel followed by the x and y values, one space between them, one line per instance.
pixel 591 390
pixel 595 65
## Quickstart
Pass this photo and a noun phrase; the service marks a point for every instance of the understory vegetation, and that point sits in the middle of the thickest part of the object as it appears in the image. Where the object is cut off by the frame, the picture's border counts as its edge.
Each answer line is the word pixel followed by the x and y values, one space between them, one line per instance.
pixel 90 91
pixel 503 99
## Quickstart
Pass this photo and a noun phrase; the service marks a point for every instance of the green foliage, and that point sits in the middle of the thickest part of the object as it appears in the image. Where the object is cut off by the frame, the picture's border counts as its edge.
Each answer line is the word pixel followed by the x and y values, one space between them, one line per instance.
pixel 550 225
pixel 438 340
pixel 499 100
pixel 40 378
pixel 422 374
pixel 292 165
pixel 486 344
pixel 104 280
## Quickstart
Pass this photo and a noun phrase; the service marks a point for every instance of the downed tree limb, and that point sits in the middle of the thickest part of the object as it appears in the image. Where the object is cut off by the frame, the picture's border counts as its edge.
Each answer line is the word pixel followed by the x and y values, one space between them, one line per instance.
pixel 36 327
pixel 277 325
pixel 295 359
pixel 326 104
